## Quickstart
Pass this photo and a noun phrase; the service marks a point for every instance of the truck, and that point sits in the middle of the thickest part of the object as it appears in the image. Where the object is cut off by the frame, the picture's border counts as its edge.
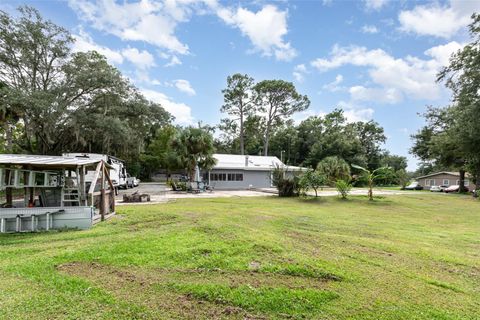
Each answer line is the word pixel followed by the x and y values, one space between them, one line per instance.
pixel 117 173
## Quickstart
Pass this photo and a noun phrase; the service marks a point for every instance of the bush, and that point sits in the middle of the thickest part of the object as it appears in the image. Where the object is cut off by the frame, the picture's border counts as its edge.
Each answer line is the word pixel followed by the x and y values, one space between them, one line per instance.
pixel 182 185
pixel 287 187
pixel 312 179
pixel 343 188
pixel 179 184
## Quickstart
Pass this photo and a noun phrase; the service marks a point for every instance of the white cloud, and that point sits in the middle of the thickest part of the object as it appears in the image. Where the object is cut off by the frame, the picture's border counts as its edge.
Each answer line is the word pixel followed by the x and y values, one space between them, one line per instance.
pixel 410 76
pixel 354 113
pixel 334 86
pixel 83 42
pixel 375 4
pixel 369 29
pixel 442 21
pixel 181 111
pixel 442 53
pixel 300 116
pixel 390 95
pixel 299 72
pixel 173 62
pixel 265 28
pixel 155 22
pixel 150 21
pixel 184 86
pixel 141 59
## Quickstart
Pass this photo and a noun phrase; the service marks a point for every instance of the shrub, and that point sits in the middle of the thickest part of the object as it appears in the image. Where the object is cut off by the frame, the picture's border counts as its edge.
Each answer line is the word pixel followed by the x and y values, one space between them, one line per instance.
pixel 286 186
pixel 343 188
pixel 312 179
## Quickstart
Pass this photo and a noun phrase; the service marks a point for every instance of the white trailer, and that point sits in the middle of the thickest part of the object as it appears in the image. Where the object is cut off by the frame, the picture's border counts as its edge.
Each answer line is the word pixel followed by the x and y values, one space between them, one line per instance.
pixel 117 172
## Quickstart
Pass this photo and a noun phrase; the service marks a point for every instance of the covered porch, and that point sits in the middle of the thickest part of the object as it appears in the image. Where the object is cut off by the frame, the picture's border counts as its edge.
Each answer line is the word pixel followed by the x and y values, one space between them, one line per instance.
pixel 50 192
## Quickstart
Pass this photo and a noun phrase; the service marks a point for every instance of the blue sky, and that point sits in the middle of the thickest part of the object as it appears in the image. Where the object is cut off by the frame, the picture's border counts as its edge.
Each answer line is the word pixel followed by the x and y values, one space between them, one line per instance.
pixel 377 59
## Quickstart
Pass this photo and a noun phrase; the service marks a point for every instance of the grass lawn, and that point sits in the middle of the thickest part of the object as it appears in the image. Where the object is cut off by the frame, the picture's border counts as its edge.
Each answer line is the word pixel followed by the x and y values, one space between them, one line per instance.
pixel 399 257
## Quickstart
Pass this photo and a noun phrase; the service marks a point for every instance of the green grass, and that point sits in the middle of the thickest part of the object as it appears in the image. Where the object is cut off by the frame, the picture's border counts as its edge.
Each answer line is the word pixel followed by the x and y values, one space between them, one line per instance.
pixel 398 257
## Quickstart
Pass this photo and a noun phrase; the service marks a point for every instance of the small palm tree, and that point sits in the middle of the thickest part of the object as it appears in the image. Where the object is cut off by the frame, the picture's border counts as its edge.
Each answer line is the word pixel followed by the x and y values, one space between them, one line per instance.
pixel 372 176
pixel 194 147
pixel 334 168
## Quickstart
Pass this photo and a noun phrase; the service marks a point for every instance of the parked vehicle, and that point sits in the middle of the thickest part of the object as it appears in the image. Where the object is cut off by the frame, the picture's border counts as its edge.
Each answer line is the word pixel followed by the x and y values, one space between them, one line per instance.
pixel 454 188
pixel 117 172
pixel 438 188
pixel 136 182
pixel 414 186
pixel 130 181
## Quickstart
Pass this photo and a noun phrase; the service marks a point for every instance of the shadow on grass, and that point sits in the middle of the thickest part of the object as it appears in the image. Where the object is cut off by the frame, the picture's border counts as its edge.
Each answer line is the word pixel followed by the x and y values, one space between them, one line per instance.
pixel 311 200
pixel 377 200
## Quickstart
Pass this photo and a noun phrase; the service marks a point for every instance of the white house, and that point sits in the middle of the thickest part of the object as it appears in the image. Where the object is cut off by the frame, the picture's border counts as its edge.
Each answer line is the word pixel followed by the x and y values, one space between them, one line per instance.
pixel 243 171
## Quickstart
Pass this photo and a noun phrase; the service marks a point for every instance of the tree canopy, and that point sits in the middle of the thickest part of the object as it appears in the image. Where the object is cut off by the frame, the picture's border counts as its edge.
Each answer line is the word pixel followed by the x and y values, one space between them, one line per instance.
pixel 55 101
pixel 451 137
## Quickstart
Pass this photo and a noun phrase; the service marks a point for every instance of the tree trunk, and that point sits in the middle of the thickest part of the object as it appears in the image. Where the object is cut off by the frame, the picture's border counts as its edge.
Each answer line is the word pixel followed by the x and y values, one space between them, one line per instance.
pixel 461 182
pixel 242 137
pixel 8 137
pixel 370 192
pixel 267 138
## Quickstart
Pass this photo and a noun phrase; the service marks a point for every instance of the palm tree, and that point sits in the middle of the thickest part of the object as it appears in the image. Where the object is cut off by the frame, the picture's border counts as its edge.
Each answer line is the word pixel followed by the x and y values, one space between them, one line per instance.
pixel 334 168
pixel 372 176
pixel 194 147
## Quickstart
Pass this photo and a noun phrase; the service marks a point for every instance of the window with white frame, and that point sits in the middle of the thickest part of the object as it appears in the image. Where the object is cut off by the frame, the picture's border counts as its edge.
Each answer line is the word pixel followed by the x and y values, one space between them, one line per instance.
pixel 446 182
pixel 467 182
pixel 429 182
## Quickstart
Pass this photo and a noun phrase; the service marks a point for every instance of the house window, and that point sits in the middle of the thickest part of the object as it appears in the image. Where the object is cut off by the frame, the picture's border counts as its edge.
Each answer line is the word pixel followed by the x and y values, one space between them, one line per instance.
pixel 218 176
pixel 429 182
pixel 235 177
pixel 226 176
pixel 446 182
pixel 466 183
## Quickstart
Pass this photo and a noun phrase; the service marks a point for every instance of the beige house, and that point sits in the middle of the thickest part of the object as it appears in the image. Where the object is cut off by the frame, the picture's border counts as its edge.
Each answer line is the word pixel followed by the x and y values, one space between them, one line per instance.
pixel 444 178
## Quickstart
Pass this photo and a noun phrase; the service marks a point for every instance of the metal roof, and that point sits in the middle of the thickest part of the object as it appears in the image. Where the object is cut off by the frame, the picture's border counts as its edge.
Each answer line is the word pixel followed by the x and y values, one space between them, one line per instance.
pixel 246 162
pixel 47 161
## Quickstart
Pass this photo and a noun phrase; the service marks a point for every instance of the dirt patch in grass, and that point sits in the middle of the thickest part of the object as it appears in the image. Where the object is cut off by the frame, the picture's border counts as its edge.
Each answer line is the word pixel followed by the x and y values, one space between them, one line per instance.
pixel 197 293
pixel 133 286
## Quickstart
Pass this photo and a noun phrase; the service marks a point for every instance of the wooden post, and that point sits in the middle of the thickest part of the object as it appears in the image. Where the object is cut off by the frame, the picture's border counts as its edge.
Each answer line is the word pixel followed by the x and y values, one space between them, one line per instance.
pixel 9 197
pixel 102 195
pixel 112 188
pixel 94 183
pixel 25 183
pixel 83 186
pixel 32 195
pixel 18 226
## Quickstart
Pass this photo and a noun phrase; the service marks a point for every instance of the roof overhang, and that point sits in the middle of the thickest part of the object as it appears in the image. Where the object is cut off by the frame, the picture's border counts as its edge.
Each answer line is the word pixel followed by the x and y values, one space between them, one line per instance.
pixel 45 162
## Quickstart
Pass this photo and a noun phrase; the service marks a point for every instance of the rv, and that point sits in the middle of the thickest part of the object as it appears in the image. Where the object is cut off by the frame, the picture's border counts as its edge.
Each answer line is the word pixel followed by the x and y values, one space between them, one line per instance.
pixel 118 171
